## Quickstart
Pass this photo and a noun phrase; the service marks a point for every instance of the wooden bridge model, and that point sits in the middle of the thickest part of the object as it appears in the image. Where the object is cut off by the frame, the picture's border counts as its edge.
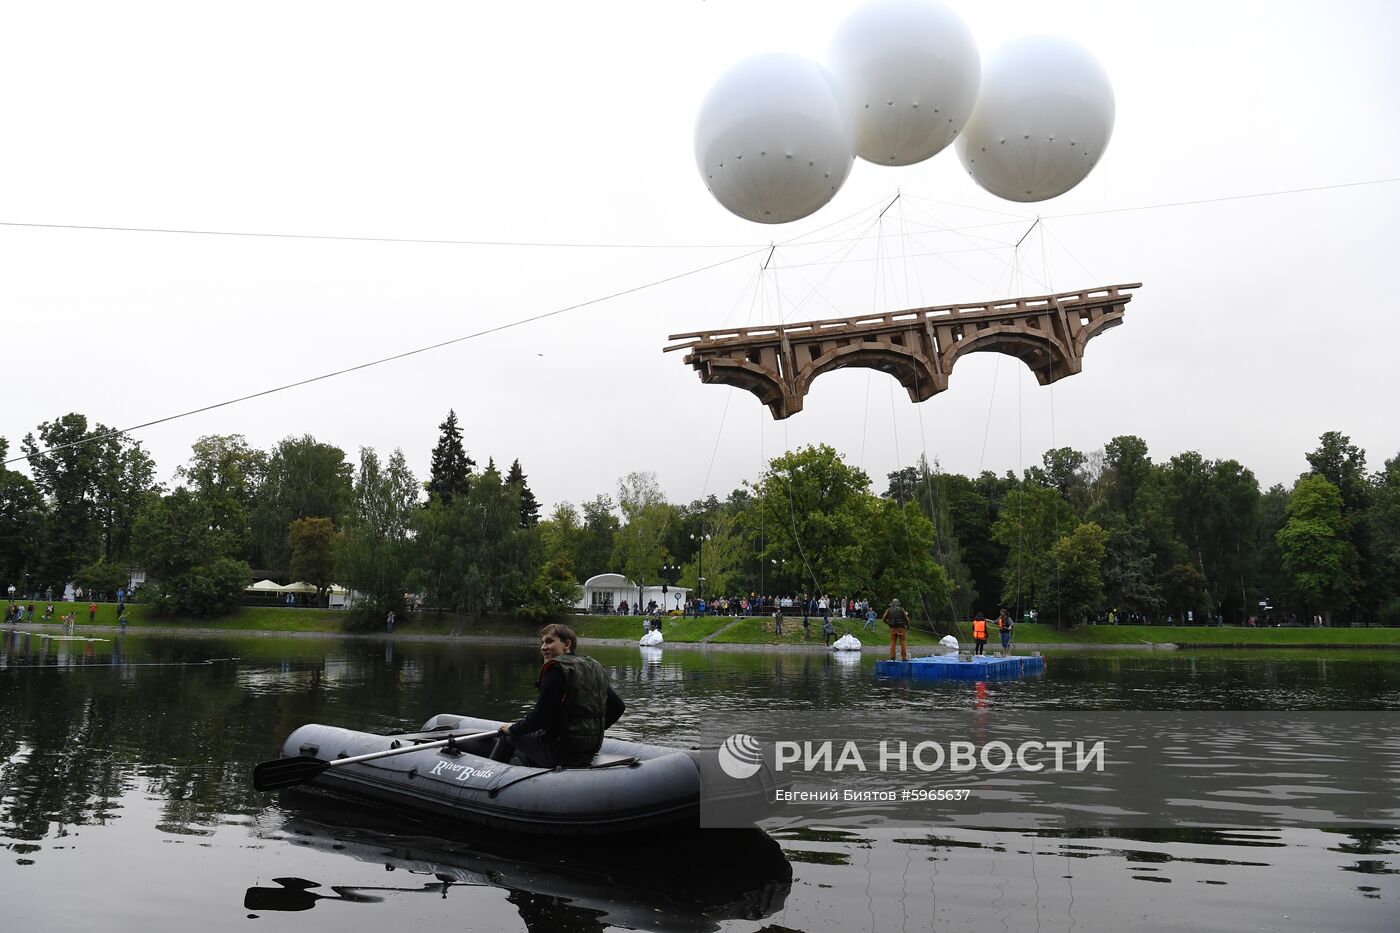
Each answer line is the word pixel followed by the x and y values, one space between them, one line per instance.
pixel 918 346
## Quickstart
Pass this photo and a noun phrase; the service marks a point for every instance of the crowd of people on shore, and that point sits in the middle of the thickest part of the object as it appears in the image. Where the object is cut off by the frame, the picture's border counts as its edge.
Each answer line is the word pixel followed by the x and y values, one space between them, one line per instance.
pixel 823 606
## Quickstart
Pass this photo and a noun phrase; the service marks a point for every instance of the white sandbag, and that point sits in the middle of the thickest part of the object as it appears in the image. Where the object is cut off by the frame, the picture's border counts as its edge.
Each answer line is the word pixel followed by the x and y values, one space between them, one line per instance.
pixel 651 638
pixel 949 642
pixel 846 643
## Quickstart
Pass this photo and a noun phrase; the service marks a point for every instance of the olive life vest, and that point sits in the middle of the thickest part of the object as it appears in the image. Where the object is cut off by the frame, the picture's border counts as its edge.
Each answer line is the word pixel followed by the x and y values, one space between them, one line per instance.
pixel 979 629
pixel 585 707
pixel 896 617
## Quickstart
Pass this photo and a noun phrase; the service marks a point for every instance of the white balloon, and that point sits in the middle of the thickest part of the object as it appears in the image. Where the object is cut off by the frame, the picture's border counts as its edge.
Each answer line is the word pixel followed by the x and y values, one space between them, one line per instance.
pixel 1043 119
pixel 774 140
pixel 910 70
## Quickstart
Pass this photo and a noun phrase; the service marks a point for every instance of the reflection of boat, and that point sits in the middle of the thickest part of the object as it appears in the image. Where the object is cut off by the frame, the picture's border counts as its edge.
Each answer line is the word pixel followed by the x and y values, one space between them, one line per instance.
pixel 628 788
pixel 684 883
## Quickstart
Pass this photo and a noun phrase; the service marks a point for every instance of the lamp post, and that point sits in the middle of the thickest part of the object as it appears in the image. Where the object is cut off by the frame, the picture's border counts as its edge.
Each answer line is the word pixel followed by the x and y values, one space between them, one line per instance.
pixel 669 574
pixel 700 540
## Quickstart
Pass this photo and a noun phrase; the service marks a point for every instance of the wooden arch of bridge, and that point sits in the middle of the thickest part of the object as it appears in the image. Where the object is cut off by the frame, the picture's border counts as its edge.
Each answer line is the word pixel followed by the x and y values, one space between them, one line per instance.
pixel 918 346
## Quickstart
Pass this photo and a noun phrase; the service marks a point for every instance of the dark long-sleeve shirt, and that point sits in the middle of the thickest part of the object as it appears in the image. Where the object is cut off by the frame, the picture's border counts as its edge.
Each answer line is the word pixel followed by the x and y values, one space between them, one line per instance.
pixel 549 708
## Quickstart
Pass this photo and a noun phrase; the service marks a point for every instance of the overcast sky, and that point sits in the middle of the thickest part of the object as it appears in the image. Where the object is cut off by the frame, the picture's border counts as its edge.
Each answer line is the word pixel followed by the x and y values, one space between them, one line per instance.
pixel 1261 323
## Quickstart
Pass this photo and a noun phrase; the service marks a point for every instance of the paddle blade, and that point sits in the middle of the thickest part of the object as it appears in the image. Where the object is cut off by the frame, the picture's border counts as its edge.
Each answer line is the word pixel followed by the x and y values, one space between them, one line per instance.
pixel 287 772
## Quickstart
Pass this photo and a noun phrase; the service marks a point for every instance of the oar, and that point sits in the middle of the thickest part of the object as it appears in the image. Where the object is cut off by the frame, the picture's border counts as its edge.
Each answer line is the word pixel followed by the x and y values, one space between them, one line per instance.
pixel 287 772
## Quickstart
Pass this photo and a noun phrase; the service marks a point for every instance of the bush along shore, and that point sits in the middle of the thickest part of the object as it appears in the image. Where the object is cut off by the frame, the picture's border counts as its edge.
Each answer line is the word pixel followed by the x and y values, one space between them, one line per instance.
pixel 757 631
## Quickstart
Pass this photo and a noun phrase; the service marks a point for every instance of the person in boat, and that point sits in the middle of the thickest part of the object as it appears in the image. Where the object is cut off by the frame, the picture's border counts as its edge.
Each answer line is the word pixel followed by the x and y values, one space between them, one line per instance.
pixel 575 705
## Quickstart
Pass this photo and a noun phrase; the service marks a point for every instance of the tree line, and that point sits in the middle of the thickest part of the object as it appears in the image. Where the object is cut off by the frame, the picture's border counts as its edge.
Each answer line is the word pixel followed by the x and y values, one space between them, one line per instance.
pixel 1072 538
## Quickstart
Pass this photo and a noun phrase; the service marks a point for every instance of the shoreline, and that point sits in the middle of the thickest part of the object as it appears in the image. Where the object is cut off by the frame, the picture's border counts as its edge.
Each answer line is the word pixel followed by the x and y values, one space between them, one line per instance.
pixel 879 648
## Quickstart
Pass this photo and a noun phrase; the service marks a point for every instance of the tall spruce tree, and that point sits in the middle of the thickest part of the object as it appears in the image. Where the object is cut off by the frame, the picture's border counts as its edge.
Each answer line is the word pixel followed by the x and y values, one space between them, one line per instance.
pixel 451 468
pixel 529 505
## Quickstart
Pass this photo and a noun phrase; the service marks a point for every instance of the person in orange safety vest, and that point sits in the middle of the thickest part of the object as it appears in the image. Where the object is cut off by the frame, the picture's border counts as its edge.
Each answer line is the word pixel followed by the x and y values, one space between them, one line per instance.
pixel 979 634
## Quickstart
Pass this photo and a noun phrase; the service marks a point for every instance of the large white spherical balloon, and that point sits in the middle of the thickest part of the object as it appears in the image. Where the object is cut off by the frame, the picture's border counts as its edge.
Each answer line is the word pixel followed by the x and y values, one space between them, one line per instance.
pixel 1043 118
pixel 910 70
pixel 775 139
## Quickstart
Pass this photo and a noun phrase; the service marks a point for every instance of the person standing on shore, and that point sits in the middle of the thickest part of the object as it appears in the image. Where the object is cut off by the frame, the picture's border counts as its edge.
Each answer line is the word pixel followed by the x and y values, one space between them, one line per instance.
pixel 92 613
pixel 389 622
pixel 898 621
pixel 828 630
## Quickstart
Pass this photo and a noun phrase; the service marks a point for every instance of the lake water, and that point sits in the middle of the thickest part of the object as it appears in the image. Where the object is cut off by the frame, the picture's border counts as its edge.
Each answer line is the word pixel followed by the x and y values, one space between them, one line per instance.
pixel 126 802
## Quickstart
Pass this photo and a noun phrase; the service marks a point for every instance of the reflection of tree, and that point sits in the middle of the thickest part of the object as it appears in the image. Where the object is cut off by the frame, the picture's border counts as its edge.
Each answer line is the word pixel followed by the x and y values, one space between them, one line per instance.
pixel 189 730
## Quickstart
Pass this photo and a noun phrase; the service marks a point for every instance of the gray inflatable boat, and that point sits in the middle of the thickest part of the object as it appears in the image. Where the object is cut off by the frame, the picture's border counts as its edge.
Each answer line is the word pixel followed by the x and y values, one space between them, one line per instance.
pixel 629 787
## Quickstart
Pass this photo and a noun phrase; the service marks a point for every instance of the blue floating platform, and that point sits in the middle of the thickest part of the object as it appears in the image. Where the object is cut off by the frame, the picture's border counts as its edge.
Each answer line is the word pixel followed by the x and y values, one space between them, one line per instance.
pixel 951 667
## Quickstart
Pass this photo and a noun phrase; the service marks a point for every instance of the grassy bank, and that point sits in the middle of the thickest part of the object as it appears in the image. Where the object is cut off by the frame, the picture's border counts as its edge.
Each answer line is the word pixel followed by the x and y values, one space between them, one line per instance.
pixel 727 629
pixel 1195 635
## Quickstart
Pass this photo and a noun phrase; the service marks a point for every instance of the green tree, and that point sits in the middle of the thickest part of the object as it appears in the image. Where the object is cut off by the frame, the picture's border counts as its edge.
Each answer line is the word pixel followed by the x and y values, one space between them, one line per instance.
pixel 639 546
pixel 529 505
pixel 1129 580
pixel 1230 523
pixel 1031 521
pixel 95 483
pixel 553 592
pixel 900 562
pixel 474 556
pixel 1063 471
pixel 1313 546
pixel 561 535
pixel 808 508
pixel 373 553
pixel 312 541
pixel 21 524
pixel 1127 468
pixel 1183 590
pixel 450 472
pixel 187 558
pixel 973 511
pixel 1344 466
pixel 102 579
pixel 723 555
pixel 1077 585
pixel 175 533
pixel 225 472
pixel 1271 580
pixel 212 589
pixel 304 479
pixel 600 526
pixel 933 491
pixel 1384 519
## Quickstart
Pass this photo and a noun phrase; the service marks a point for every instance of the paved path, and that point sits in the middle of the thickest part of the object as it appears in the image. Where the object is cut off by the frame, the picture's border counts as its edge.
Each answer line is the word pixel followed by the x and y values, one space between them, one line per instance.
pixel 720 631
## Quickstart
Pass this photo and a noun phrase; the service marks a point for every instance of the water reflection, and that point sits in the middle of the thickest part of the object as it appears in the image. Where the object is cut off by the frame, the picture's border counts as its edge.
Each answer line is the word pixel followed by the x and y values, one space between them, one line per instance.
pixel 686 883
pixel 141 754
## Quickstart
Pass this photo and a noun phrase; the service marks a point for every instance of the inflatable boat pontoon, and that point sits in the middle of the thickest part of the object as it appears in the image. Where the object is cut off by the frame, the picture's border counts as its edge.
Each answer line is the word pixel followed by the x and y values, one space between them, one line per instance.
pixel 629 787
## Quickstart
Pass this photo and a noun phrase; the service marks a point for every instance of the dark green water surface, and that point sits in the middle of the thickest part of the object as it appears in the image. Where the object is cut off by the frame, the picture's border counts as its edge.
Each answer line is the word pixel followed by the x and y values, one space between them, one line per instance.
pixel 126 802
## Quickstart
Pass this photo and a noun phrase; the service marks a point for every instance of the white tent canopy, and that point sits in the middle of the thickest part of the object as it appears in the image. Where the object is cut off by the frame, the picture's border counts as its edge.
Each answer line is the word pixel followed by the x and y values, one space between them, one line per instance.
pixel 267 586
